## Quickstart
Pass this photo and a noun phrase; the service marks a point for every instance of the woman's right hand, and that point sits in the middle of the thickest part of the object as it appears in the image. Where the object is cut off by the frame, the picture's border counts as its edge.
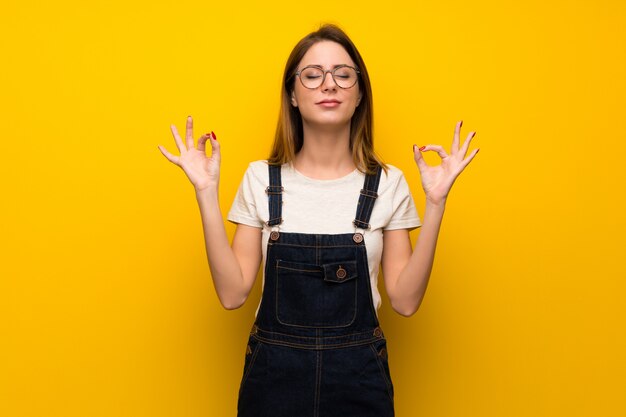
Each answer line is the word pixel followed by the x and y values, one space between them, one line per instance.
pixel 203 172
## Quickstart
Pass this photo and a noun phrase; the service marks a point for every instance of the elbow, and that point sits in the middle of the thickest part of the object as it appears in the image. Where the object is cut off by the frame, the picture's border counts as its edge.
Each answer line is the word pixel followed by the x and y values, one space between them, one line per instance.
pixel 406 309
pixel 231 306
pixel 407 312
pixel 232 303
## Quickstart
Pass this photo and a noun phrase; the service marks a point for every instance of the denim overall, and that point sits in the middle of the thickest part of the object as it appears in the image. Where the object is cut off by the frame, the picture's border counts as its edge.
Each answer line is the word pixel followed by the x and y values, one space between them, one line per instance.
pixel 316 348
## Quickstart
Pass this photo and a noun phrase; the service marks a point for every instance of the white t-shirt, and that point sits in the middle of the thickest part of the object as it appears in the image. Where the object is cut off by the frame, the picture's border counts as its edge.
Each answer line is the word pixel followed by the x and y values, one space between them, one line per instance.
pixel 326 207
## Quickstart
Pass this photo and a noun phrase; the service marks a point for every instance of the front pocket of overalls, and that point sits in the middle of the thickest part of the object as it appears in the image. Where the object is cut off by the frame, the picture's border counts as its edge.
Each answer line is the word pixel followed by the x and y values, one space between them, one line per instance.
pixel 379 349
pixel 252 351
pixel 316 296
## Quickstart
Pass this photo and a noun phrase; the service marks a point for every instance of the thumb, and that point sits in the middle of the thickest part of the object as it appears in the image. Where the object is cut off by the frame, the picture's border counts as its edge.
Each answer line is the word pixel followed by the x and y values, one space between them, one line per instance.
pixel 215 147
pixel 419 160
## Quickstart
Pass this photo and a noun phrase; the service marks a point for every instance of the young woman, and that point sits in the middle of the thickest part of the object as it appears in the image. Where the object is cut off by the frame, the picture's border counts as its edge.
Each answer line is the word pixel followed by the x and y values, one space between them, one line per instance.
pixel 321 214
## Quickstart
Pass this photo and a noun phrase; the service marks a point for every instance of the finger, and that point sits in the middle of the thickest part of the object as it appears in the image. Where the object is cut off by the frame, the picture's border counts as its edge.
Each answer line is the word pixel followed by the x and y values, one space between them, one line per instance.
pixel 202 142
pixel 457 135
pixel 177 139
pixel 215 149
pixel 189 133
pixel 439 149
pixel 467 160
pixel 417 155
pixel 173 159
pixel 466 144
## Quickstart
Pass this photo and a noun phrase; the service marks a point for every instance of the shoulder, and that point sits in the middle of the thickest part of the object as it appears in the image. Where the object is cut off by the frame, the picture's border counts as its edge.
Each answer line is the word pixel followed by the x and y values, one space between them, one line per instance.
pixel 257 171
pixel 391 178
pixel 393 172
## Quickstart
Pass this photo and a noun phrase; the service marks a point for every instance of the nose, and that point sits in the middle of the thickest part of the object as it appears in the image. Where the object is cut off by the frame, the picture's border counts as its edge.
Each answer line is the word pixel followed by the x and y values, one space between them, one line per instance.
pixel 328 82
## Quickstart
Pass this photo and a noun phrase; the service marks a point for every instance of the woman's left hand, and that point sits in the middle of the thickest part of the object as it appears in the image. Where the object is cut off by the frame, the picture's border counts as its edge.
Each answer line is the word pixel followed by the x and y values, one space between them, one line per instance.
pixel 437 180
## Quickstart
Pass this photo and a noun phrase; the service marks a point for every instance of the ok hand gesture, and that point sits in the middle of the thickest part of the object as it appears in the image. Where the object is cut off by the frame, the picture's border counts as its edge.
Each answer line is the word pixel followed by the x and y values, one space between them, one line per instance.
pixel 203 172
pixel 437 180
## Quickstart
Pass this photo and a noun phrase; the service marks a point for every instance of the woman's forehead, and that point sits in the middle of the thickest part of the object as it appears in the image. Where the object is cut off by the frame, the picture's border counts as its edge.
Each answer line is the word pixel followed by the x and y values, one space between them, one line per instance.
pixel 328 54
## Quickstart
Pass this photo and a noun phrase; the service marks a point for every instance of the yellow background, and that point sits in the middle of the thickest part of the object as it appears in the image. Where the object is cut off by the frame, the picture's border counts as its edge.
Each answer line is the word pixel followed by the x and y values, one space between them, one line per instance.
pixel 106 303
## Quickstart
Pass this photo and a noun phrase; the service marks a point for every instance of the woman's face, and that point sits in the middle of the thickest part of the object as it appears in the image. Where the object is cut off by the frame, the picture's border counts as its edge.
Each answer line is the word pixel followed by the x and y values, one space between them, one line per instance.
pixel 327 104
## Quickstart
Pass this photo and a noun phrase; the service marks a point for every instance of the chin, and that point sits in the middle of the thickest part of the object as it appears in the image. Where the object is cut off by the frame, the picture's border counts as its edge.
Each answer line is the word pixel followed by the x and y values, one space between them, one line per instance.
pixel 329 120
pixel 330 123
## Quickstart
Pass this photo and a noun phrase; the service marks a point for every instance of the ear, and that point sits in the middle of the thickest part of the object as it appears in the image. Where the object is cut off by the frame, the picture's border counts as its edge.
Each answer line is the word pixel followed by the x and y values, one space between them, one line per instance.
pixel 294 103
pixel 358 101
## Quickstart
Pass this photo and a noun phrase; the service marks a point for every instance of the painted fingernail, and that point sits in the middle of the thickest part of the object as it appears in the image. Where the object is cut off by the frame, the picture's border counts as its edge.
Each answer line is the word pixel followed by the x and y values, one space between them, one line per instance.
pixel 188 117
pixel 422 148
pixel 414 148
pixel 461 123
pixel 213 135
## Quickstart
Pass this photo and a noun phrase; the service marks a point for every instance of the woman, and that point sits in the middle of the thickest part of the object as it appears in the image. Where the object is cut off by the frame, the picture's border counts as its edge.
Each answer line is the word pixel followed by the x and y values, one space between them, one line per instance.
pixel 315 213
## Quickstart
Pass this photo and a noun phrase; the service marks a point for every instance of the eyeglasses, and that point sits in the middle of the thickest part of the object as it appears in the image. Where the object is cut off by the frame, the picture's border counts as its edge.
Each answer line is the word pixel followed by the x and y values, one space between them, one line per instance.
pixel 313 76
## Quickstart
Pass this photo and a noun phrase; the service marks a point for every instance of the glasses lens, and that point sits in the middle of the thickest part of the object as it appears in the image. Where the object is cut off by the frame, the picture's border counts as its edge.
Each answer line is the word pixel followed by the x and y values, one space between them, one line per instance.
pixel 345 77
pixel 312 77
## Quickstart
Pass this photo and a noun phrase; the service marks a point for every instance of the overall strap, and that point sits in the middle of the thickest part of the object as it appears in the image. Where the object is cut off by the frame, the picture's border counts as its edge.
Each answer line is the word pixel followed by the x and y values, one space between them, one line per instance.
pixel 275 195
pixel 367 198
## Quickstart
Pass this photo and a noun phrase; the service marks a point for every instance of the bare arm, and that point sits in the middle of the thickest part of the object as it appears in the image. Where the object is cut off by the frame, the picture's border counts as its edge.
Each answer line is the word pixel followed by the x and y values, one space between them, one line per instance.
pixel 407 272
pixel 233 269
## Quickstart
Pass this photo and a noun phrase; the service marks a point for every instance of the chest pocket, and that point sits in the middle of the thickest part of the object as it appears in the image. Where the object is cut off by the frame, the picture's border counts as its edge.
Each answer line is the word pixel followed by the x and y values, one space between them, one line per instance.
pixel 316 296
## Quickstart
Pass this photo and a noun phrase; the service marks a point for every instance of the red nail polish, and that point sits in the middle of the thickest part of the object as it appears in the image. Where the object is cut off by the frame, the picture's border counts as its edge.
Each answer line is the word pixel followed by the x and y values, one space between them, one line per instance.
pixel 422 148
pixel 213 135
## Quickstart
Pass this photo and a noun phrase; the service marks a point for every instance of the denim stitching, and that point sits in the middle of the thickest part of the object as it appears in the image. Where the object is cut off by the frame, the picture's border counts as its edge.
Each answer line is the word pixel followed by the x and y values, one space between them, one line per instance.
pixel 367 198
pixel 309 246
pixel 361 199
pixel 307 342
pixel 274 193
pixel 369 285
pixel 316 347
pixel 367 332
pixel 298 270
pixel 317 250
pixel 316 325
pixel 252 360
pixel 382 371
pixel 318 380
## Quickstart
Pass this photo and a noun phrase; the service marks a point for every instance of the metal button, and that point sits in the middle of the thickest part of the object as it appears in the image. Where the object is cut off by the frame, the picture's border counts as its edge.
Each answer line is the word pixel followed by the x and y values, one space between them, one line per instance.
pixel 383 353
pixel 341 273
pixel 358 238
pixel 378 332
pixel 274 235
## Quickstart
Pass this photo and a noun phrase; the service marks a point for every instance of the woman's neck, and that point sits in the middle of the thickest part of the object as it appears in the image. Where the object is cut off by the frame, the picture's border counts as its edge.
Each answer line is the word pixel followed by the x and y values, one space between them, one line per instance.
pixel 325 154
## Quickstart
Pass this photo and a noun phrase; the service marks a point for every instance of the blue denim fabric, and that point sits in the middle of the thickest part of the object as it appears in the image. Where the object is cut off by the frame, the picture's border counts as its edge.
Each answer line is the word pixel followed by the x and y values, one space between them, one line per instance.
pixel 316 348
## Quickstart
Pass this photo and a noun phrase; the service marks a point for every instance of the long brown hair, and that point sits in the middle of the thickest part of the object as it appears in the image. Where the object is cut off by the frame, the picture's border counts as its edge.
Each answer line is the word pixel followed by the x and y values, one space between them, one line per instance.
pixel 289 132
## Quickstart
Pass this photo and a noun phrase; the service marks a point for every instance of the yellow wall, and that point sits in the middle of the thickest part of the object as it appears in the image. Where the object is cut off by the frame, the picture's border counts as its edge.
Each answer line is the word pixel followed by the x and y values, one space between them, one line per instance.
pixel 106 301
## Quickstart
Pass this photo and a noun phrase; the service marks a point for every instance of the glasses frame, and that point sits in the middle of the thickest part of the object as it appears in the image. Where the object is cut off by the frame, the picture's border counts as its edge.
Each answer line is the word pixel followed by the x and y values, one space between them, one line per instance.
pixel 332 74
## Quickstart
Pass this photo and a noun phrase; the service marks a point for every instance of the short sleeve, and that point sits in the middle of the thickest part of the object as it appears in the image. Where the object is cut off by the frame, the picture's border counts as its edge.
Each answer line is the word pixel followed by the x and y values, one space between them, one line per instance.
pixel 244 208
pixel 403 214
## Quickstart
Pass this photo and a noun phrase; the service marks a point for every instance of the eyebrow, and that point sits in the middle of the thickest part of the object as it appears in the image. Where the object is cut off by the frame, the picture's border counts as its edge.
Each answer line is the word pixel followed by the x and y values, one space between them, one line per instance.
pixel 334 66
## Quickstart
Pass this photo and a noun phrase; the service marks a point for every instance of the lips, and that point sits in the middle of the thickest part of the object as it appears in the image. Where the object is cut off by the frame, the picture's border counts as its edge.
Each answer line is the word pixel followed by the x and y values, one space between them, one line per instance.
pixel 329 104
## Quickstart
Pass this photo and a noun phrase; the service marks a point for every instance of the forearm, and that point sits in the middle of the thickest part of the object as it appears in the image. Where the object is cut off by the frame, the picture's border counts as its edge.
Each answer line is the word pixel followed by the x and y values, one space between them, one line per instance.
pixel 413 279
pixel 225 269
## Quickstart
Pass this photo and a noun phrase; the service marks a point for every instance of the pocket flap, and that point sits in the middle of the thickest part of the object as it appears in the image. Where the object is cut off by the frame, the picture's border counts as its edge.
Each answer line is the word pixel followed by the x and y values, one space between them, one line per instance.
pixel 340 271
pixel 298 267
